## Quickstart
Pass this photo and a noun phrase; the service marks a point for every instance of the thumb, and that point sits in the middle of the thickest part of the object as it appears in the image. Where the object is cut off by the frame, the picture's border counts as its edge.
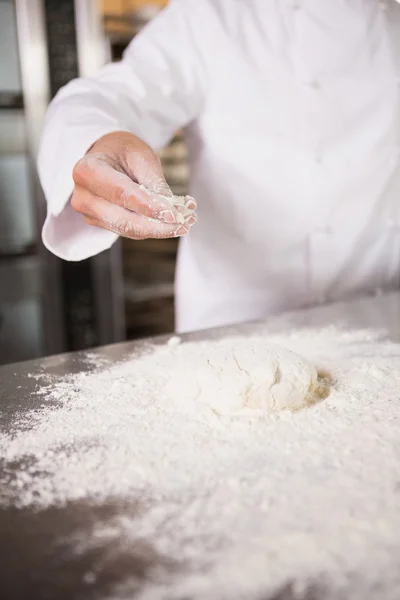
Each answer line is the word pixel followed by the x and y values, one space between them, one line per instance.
pixel 147 170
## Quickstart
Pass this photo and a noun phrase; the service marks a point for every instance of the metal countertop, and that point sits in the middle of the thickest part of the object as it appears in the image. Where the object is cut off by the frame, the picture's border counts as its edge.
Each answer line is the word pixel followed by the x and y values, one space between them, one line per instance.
pixel 31 565
pixel 17 380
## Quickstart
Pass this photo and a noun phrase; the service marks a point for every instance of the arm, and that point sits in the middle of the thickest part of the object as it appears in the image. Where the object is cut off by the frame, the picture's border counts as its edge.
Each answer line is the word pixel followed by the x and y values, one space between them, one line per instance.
pixel 118 117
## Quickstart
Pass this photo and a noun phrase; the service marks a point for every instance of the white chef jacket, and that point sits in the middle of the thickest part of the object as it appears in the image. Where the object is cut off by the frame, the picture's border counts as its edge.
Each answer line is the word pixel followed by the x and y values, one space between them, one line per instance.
pixel 291 112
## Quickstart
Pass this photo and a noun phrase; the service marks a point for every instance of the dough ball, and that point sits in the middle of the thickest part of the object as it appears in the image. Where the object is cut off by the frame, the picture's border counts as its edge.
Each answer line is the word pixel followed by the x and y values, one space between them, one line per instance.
pixel 239 375
pixel 285 380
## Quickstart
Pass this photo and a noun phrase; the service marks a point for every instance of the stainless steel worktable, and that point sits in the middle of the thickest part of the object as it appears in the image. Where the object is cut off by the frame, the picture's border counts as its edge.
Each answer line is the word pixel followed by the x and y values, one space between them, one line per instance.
pixel 32 565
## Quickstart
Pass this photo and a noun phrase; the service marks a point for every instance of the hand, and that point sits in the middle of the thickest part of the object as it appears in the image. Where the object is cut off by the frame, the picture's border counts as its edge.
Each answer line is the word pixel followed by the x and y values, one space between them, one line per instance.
pixel 120 186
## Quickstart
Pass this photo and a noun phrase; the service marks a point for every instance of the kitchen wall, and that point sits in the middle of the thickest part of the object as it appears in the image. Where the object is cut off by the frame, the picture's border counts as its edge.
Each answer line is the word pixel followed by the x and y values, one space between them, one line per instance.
pixel 20 313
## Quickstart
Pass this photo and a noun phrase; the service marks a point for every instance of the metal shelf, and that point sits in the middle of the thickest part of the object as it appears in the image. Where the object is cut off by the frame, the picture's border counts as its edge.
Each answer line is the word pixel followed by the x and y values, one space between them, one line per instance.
pixel 18 252
pixel 142 293
pixel 11 101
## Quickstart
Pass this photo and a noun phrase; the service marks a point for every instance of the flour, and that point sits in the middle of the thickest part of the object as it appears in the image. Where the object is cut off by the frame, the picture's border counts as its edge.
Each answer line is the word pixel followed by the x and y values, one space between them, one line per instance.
pixel 174 340
pixel 183 205
pixel 243 504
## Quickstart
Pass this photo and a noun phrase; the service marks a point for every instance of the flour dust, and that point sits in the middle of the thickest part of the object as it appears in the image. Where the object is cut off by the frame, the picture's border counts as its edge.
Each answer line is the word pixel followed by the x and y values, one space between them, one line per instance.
pixel 245 504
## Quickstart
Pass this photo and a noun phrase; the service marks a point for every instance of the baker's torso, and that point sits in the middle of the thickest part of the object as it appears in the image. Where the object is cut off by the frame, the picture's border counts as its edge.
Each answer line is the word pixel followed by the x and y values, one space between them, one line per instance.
pixel 294 161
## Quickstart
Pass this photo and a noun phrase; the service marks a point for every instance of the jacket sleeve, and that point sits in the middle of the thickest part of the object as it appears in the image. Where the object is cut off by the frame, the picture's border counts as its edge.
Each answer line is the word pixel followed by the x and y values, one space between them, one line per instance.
pixel 158 87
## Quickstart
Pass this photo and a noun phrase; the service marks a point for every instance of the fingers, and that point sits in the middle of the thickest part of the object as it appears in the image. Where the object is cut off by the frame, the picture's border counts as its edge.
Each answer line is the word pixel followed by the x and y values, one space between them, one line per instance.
pixel 139 230
pixel 95 174
pixel 145 167
pixel 123 230
pixel 181 208
pixel 104 214
pixel 191 203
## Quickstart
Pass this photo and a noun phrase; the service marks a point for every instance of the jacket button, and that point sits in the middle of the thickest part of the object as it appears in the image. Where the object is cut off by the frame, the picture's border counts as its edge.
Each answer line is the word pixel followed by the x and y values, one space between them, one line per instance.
pixel 314 84
pixel 318 158
pixel 323 230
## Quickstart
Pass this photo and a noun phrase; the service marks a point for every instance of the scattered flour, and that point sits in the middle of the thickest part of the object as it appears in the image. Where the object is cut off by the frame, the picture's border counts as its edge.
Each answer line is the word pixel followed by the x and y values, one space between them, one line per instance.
pixel 247 503
pixel 174 340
